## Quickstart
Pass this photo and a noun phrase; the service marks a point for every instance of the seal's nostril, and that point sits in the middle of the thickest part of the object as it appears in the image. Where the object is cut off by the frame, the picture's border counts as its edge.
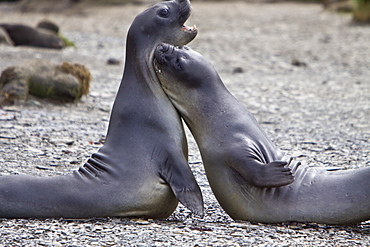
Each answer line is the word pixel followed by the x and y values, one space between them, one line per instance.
pixel 163 47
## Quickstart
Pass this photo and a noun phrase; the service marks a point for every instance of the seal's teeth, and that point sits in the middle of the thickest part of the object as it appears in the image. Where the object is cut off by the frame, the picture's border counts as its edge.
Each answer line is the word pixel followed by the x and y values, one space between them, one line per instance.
pixel 190 29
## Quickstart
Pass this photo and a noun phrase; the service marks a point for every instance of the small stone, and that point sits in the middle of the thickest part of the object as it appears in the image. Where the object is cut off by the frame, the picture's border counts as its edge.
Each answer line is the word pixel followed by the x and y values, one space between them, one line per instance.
pixel 7 136
pixel 238 70
pixel 113 61
pixel 298 63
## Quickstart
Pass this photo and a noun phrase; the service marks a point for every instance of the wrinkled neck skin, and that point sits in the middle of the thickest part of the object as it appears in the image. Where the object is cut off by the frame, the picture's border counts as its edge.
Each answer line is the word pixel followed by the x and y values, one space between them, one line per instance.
pixel 216 117
pixel 202 106
pixel 141 107
pixel 139 72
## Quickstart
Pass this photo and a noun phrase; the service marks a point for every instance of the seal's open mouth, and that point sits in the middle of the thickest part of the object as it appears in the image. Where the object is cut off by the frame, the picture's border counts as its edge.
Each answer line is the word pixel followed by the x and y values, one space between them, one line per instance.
pixel 185 11
pixel 190 29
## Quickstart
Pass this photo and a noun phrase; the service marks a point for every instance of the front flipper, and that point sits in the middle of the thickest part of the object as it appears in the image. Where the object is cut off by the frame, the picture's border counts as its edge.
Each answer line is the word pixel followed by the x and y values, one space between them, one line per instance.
pixel 273 174
pixel 180 178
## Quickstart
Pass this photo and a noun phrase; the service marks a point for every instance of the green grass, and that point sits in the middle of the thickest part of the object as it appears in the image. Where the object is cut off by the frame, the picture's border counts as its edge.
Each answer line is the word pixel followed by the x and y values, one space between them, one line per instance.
pixel 361 12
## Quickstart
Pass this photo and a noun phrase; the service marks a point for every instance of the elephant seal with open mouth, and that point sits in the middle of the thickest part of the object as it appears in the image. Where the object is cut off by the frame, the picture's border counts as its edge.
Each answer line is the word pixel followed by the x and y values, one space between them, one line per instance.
pixel 142 169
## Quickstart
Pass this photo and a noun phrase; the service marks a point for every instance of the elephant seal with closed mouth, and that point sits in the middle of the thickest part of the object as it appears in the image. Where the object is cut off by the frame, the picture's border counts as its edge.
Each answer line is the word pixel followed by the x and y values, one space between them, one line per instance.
pixel 142 169
pixel 22 35
pixel 244 168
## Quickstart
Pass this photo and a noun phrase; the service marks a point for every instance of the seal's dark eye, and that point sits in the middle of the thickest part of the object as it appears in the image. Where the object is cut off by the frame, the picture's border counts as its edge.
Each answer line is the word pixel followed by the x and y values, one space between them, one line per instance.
pixel 164 12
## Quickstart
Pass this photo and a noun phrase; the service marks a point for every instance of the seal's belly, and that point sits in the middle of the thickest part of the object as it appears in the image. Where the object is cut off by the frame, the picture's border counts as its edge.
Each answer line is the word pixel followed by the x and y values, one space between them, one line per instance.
pixel 152 200
pixel 244 201
pixel 318 194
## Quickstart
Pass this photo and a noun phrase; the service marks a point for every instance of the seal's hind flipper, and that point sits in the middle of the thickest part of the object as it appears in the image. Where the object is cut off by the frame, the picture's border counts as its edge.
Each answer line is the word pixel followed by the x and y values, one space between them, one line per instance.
pixel 180 178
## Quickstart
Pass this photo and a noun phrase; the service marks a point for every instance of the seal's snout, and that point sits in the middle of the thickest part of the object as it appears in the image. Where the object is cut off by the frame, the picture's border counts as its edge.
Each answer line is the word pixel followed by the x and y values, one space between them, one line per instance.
pixel 160 53
pixel 163 48
pixel 185 9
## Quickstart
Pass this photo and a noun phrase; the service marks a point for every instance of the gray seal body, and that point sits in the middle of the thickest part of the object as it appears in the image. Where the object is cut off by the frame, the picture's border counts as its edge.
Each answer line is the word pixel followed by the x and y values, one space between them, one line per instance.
pixel 142 169
pixel 250 177
pixel 22 35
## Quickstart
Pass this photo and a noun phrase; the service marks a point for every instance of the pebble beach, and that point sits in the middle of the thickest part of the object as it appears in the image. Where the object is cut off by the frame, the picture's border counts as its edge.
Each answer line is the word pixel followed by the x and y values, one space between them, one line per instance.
pixel 303 72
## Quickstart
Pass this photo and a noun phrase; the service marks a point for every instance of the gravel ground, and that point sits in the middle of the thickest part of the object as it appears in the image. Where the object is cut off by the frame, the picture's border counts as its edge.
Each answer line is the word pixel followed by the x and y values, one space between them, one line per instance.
pixel 303 72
